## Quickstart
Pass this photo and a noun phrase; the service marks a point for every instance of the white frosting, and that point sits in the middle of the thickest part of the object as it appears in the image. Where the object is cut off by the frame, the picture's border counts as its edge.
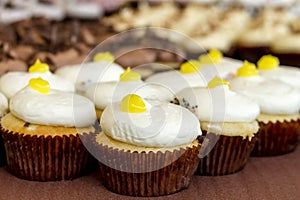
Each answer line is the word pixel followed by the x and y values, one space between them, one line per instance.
pixel 103 94
pixel 225 68
pixel 92 72
pixel 12 82
pixel 288 43
pixel 49 11
pixel 160 126
pixel 3 104
pixel 14 15
pixel 56 108
pixel 288 75
pixel 84 10
pixel 218 104
pixel 175 81
pixel 273 97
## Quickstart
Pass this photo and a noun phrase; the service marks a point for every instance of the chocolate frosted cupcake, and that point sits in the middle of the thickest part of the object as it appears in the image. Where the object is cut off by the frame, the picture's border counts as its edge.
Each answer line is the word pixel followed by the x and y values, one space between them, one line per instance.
pixel 3 111
pixel 41 134
pixel 279 104
pixel 228 123
pixel 147 149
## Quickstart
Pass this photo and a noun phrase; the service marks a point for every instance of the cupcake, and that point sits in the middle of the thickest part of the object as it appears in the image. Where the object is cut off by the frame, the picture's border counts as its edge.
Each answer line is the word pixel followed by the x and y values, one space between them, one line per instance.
pixel 41 134
pixel 228 122
pixel 3 111
pixel 102 69
pixel 12 82
pixel 269 68
pixel 105 93
pixel 189 75
pixel 147 149
pixel 214 64
pixel 279 103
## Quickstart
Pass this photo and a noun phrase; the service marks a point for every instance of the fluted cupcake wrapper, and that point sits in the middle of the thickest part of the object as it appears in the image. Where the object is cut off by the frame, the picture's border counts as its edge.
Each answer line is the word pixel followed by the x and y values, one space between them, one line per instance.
pixel 277 138
pixel 2 152
pixel 151 180
pixel 229 155
pixel 40 158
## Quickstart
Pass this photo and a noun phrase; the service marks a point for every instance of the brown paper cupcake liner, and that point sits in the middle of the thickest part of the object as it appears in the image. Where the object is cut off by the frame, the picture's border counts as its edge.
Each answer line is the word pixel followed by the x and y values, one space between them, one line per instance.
pixel 229 155
pixel 118 174
pixel 277 138
pixel 2 152
pixel 40 158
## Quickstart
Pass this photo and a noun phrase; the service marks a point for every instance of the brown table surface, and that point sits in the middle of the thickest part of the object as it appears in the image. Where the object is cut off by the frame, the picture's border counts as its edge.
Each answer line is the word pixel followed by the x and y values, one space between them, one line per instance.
pixel 263 178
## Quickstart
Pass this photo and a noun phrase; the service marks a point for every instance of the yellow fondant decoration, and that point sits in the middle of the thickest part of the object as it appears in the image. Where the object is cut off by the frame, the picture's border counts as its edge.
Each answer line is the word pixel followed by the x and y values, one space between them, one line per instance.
pixel 104 56
pixel 133 103
pixel 213 57
pixel 268 62
pixel 216 81
pixel 247 70
pixel 129 75
pixel 39 85
pixel 39 67
pixel 191 66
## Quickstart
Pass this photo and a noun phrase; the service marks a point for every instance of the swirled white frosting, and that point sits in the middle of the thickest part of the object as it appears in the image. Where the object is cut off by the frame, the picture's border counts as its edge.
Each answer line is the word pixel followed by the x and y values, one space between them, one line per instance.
pixel 225 69
pixel 56 108
pixel 3 104
pixel 273 97
pixel 163 125
pixel 175 81
pixel 92 72
pixel 12 82
pixel 218 104
pixel 103 94
pixel 288 75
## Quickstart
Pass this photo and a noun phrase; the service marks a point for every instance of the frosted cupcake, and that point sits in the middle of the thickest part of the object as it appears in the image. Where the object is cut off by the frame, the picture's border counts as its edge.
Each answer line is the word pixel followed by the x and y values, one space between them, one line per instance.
pixel 214 64
pixel 3 111
pixel 41 133
pixel 228 122
pixel 269 68
pixel 279 104
pixel 102 69
pixel 189 75
pixel 147 149
pixel 105 93
pixel 12 82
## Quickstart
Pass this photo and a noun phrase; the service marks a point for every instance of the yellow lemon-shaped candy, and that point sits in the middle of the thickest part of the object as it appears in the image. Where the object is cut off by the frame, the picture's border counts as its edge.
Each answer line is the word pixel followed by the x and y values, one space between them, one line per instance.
pixel 191 66
pixel 39 67
pixel 133 103
pixel 268 62
pixel 247 70
pixel 213 57
pixel 216 81
pixel 39 85
pixel 129 75
pixel 104 56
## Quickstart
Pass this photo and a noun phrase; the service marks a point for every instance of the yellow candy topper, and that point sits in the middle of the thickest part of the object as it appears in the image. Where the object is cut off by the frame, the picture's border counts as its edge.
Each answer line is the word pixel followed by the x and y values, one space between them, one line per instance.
pixel 133 103
pixel 268 62
pixel 39 67
pixel 104 56
pixel 191 66
pixel 216 81
pixel 129 75
pixel 39 85
pixel 247 70
pixel 213 57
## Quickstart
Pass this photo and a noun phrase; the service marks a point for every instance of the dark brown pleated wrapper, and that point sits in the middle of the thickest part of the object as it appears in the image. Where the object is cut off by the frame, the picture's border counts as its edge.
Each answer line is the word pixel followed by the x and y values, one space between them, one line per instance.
pixel 39 158
pixel 2 152
pixel 151 180
pixel 277 138
pixel 229 155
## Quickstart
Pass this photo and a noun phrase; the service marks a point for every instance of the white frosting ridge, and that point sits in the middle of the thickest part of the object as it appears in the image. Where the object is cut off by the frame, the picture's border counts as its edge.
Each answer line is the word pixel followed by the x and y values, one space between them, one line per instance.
pixel 55 109
pixel 3 104
pixel 175 81
pixel 92 72
pixel 160 126
pixel 273 97
pixel 218 104
pixel 288 75
pixel 12 82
